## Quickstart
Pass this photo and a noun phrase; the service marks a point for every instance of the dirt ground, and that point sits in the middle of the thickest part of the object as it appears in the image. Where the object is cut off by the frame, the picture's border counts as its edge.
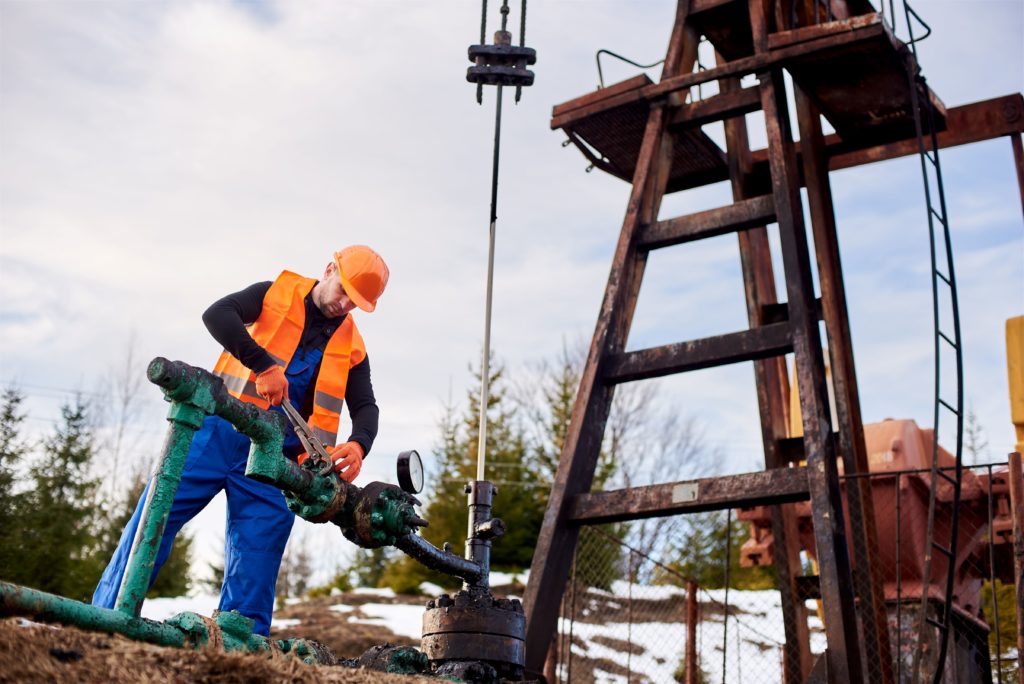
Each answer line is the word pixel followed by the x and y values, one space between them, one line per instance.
pixel 345 638
pixel 31 652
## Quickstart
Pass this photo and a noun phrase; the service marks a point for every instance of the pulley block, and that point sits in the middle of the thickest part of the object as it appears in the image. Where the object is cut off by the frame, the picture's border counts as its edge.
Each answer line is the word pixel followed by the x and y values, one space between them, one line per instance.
pixel 502 63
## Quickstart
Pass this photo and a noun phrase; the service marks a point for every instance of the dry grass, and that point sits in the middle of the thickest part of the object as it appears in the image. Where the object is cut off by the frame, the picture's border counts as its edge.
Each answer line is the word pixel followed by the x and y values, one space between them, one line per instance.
pixel 40 653
pixel 31 652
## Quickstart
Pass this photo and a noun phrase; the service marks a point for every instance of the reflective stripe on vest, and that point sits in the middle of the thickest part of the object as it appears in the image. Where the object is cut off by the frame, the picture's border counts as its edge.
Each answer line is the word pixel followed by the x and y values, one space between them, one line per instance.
pixel 279 330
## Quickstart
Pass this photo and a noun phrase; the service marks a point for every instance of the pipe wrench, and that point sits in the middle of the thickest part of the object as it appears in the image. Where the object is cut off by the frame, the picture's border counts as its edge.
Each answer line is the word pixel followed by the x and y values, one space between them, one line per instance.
pixel 310 442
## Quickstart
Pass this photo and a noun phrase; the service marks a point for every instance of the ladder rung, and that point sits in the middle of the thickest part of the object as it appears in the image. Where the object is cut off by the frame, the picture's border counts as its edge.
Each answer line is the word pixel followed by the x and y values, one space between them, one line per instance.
pixel 947 552
pixel 943 278
pixel 946 476
pixel 929 158
pixel 951 342
pixel 764 488
pixel 940 217
pixel 955 411
pixel 745 214
pixel 935 623
pixel 748 345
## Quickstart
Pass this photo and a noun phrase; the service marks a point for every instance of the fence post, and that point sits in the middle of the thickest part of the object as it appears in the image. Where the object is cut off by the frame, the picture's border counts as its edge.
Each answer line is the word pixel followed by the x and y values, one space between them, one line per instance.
pixel 691 632
pixel 1017 511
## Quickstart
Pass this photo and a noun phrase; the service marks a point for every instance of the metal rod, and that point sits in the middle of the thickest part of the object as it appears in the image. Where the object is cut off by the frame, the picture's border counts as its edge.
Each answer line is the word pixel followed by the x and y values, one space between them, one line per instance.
pixel 481 455
pixel 691 632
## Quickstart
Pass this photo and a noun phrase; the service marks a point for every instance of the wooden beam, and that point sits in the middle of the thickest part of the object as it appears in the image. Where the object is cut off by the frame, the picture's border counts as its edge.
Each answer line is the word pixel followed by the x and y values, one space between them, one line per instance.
pixel 744 214
pixel 843 652
pixel 805 34
pixel 556 543
pixel 767 487
pixel 601 94
pixel 766 60
pixel 965 124
pixel 717 107
pixel 624 93
pixel 867 571
pixel 772 382
pixel 628 92
pixel 748 345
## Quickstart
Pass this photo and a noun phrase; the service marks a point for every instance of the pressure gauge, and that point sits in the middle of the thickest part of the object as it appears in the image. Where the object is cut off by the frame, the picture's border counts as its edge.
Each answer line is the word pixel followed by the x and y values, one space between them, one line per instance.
pixel 410 472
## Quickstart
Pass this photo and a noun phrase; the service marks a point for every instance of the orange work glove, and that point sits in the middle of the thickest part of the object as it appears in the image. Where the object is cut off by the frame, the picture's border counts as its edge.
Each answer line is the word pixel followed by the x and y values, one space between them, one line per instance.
pixel 348 460
pixel 272 385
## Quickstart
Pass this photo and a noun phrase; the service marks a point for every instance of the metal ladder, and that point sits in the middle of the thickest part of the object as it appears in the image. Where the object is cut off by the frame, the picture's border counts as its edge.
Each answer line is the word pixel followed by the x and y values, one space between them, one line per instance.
pixel 944 291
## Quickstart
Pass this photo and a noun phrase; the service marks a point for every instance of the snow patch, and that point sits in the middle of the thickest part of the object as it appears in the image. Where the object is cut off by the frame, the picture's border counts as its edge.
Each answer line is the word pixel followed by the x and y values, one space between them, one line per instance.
pixel 370 591
pixel 160 609
pixel 431 589
pixel 404 620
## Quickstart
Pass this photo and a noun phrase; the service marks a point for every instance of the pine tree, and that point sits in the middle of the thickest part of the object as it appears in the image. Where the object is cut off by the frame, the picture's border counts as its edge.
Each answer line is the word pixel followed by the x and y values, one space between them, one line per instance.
pixel 975 443
pixel 552 412
pixel 511 466
pixel 58 551
pixel 293 577
pixel 368 566
pixel 702 555
pixel 12 449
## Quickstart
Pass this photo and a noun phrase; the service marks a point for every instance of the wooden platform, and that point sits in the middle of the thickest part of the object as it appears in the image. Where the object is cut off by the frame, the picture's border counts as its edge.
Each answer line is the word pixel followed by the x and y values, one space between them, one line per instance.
pixel 608 127
pixel 862 86
pixel 853 69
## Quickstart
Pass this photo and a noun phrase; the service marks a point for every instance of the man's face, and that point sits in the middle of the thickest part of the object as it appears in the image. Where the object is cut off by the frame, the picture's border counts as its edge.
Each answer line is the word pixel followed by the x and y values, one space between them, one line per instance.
pixel 329 296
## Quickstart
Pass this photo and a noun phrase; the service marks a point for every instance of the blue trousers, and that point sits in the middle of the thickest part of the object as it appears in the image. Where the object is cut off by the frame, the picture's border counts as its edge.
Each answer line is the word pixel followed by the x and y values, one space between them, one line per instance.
pixel 258 524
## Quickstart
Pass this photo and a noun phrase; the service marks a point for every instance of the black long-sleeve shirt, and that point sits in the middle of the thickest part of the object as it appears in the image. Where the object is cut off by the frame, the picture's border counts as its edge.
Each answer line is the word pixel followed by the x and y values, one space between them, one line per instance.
pixel 226 320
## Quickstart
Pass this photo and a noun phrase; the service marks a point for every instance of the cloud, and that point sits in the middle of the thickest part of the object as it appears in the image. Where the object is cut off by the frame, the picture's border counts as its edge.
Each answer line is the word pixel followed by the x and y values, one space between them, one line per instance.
pixel 159 155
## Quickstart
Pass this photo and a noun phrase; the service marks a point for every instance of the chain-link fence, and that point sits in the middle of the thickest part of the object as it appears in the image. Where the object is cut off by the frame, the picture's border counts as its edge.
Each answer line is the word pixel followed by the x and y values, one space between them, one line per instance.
pixel 981 634
pixel 644 600
pixel 648 599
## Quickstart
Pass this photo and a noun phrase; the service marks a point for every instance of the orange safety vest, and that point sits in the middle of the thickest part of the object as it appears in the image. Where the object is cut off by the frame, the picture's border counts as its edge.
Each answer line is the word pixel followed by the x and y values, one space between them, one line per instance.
pixel 278 330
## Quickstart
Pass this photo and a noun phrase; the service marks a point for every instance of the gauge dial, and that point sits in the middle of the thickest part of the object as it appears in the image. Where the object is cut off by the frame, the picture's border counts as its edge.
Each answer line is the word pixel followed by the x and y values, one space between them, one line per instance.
pixel 410 471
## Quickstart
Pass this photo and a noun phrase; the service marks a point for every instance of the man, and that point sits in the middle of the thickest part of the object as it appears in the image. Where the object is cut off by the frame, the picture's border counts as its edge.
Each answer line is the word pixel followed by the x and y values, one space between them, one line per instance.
pixel 292 338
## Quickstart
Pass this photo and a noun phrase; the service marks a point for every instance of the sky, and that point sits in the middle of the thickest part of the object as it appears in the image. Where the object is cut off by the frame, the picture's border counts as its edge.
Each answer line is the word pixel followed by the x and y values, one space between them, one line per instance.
pixel 155 156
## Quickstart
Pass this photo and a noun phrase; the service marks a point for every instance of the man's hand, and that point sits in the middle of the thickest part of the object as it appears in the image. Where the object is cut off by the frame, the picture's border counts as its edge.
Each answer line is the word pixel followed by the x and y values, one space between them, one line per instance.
pixel 272 385
pixel 348 460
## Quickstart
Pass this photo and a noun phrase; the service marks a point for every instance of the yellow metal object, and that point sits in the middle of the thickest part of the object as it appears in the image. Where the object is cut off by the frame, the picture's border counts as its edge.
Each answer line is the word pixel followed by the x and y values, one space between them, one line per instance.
pixel 1015 371
pixel 796 425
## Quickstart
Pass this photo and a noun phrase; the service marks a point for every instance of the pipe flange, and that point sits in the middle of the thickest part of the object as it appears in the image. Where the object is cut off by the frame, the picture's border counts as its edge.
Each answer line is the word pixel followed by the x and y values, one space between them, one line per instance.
pixel 474 626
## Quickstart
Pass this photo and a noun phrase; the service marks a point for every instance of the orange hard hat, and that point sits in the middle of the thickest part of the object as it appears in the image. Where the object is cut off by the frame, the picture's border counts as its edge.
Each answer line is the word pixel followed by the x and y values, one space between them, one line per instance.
pixel 363 275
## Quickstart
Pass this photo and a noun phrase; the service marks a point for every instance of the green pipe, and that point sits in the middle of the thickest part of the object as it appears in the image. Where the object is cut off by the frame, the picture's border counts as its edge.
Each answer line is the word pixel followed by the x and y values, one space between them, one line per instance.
pixel 15 600
pixel 194 393
pixel 162 489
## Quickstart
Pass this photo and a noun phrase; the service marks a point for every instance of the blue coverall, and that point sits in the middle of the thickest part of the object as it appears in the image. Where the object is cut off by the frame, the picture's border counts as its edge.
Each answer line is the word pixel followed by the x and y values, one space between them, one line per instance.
pixel 258 522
